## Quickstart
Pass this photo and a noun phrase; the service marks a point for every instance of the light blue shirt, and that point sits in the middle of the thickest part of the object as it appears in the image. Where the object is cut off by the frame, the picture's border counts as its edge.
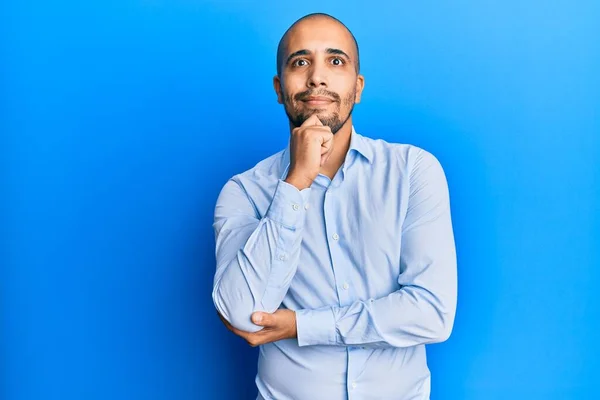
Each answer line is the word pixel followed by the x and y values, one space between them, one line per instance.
pixel 366 259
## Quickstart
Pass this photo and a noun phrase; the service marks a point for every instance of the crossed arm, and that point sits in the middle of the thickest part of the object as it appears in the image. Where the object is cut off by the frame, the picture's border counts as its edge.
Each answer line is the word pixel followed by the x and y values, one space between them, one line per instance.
pixel 257 259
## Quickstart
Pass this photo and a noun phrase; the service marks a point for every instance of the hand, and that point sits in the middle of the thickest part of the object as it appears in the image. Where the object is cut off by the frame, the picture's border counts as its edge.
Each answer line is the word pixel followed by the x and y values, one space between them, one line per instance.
pixel 277 326
pixel 310 147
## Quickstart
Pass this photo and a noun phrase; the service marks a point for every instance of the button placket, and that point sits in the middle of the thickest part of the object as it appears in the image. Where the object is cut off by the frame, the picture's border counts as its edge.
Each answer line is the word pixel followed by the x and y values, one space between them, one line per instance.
pixel 329 225
pixel 342 284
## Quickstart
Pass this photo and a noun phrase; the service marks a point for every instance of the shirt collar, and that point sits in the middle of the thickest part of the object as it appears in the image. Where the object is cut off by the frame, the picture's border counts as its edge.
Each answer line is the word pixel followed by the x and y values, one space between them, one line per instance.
pixel 357 143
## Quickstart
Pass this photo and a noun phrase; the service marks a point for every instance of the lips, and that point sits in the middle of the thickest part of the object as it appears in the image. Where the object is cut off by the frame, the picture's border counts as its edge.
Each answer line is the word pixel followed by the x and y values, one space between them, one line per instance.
pixel 317 100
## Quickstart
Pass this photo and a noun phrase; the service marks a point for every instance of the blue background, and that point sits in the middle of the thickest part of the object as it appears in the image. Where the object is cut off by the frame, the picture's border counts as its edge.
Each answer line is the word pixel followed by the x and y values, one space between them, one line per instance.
pixel 121 121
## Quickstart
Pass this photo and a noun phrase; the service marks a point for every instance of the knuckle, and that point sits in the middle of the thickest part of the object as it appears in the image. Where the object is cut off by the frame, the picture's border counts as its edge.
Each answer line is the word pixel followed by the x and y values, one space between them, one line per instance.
pixel 300 131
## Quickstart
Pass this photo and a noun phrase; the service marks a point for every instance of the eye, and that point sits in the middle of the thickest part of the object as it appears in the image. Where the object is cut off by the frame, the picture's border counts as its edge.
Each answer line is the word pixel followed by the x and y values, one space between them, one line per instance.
pixel 298 61
pixel 337 61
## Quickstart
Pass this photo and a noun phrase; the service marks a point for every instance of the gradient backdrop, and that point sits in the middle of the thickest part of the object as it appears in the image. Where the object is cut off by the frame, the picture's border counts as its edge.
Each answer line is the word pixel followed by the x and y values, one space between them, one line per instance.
pixel 121 121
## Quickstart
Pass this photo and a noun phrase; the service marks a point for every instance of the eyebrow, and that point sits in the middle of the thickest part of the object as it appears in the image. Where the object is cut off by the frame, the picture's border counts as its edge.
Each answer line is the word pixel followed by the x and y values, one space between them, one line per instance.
pixel 305 52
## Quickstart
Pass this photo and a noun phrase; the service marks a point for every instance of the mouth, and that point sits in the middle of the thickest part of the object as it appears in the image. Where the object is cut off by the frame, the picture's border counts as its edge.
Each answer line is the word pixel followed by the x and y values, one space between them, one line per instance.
pixel 317 101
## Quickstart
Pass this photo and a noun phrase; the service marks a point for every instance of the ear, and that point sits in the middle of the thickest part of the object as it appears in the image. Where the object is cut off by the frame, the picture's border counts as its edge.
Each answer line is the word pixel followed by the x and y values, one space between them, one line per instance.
pixel 360 85
pixel 277 86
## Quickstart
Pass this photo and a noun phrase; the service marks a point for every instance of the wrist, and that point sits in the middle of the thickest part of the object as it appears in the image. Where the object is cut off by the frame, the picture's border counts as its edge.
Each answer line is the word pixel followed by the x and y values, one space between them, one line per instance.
pixel 316 327
pixel 300 182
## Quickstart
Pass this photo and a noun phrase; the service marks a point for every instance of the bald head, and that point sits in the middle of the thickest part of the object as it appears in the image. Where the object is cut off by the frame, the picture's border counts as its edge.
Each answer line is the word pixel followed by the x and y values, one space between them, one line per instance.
pixel 282 48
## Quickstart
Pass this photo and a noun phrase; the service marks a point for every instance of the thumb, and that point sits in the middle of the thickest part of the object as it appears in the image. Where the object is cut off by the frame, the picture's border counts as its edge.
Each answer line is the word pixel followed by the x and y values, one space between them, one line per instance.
pixel 262 319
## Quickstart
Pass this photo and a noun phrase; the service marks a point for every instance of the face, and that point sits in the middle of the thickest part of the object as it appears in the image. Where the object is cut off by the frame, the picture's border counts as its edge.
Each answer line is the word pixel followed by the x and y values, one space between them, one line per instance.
pixel 318 74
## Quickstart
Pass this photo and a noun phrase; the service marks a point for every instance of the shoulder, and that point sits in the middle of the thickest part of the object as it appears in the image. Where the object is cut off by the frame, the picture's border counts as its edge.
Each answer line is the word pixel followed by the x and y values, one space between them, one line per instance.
pixel 255 184
pixel 405 155
pixel 265 170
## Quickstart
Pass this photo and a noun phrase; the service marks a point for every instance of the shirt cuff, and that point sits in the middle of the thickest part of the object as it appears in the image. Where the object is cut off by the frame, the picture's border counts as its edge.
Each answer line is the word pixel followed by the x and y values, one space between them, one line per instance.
pixel 289 205
pixel 316 327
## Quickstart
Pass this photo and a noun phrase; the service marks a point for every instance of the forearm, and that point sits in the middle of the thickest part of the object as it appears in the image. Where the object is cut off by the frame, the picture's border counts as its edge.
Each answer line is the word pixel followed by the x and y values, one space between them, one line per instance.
pixel 257 262
pixel 257 278
pixel 408 317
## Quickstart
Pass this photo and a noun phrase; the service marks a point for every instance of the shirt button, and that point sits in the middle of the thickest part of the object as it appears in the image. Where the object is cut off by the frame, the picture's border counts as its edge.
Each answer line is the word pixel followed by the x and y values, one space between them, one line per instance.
pixel 296 207
pixel 282 257
pixel 306 206
pixel 336 236
pixel 353 385
pixel 345 286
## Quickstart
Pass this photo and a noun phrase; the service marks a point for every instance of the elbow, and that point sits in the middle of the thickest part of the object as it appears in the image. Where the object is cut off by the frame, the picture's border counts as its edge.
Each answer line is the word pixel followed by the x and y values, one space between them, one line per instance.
pixel 445 330
pixel 443 312
pixel 236 314
pixel 443 326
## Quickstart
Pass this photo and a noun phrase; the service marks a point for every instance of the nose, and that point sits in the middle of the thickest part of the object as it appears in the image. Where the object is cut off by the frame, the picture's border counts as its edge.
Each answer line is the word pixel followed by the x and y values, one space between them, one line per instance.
pixel 317 77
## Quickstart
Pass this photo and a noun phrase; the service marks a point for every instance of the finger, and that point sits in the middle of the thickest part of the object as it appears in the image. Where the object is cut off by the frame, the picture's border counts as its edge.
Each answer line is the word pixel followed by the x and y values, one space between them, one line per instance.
pixel 243 334
pixel 240 333
pixel 237 331
pixel 325 135
pixel 312 120
pixel 327 143
pixel 227 324
pixel 267 335
pixel 260 338
pixel 263 319
pixel 326 150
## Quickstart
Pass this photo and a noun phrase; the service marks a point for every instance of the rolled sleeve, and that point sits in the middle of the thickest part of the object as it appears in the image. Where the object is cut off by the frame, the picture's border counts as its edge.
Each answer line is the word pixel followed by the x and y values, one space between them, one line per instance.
pixel 289 205
pixel 316 327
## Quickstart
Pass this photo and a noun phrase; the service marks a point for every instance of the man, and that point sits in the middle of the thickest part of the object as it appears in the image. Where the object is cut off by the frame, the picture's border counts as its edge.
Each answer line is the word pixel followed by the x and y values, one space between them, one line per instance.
pixel 336 255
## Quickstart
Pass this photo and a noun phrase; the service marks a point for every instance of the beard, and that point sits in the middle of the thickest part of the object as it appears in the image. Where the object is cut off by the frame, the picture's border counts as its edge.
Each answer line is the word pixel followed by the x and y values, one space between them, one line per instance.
pixel 334 120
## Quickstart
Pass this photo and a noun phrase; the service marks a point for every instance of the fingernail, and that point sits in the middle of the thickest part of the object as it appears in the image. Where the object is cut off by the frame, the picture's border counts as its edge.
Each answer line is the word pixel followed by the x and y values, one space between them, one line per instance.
pixel 257 318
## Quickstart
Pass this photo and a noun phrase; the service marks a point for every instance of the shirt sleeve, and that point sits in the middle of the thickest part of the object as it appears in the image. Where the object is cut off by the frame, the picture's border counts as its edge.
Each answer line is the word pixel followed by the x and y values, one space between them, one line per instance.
pixel 423 309
pixel 256 257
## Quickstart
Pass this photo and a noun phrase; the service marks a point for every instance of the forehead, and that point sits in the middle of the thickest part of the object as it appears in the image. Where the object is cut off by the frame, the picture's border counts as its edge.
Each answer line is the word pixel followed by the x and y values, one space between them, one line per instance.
pixel 318 34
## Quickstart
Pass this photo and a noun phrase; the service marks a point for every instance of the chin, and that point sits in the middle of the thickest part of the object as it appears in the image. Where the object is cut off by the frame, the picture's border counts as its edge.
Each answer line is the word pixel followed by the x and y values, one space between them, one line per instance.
pixel 322 113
